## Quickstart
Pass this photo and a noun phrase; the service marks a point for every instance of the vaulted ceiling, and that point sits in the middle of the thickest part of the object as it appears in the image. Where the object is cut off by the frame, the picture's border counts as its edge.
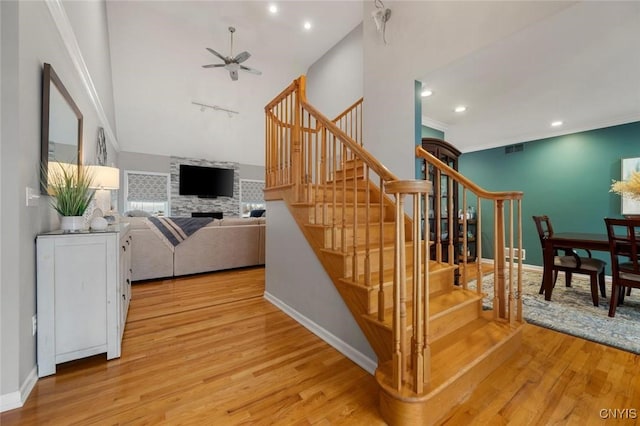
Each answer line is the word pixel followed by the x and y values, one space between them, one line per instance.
pixel 157 53
pixel 580 65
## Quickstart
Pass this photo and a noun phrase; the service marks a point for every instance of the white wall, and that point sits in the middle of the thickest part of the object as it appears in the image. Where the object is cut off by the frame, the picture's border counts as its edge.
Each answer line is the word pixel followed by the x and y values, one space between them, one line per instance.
pixel 9 296
pixel 89 19
pixel 297 282
pixel 334 82
pixel 29 39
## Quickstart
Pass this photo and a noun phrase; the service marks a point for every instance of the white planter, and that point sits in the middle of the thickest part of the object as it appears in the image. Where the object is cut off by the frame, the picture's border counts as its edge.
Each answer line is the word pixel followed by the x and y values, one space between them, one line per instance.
pixel 72 223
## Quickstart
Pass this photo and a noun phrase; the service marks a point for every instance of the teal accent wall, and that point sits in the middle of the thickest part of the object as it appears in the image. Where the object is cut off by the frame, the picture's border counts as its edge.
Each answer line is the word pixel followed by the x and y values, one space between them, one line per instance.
pixel 566 177
pixel 426 132
pixel 429 132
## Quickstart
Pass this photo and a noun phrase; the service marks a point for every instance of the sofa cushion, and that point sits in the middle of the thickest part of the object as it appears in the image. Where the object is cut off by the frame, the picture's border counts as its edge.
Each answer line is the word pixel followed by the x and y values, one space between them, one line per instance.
pixel 135 222
pixel 239 221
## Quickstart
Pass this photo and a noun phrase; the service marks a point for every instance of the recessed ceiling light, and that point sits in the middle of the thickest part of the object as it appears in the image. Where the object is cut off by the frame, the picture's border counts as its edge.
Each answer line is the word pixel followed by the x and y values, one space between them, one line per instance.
pixel 307 25
pixel 273 8
pixel 460 108
pixel 557 123
pixel 426 92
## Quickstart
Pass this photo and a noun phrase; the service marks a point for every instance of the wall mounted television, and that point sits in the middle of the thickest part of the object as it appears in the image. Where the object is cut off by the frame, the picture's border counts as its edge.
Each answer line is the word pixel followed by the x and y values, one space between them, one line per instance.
pixel 205 182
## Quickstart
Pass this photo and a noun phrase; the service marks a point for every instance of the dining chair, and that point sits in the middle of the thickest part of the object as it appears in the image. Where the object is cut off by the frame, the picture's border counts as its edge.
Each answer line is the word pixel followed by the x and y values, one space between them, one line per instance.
pixel 624 246
pixel 571 263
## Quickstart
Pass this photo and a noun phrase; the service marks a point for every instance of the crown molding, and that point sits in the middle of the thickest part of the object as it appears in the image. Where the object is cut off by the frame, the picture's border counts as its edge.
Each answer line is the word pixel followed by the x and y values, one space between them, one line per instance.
pixel 70 41
pixel 434 124
pixel 536 136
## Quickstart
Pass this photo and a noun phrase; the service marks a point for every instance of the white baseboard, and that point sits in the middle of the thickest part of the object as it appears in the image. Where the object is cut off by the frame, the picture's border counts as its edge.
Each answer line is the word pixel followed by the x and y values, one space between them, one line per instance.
pixel 340 345
pixel 16 399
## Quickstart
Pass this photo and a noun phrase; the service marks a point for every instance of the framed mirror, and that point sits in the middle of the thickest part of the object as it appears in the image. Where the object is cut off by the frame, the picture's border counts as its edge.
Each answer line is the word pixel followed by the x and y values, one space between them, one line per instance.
pixel 61 138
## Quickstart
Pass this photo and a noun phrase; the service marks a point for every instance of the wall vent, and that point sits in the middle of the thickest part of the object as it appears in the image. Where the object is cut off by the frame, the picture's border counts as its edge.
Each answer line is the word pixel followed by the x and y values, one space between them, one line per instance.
pixel 516 252
pixel 519 147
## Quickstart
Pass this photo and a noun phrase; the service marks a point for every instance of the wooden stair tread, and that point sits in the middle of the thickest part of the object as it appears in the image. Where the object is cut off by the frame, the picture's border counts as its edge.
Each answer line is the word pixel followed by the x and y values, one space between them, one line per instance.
pixel 387 274
pixel 361 249
pixel 348 225
pixel 348 204
pixel 464 346
pixel 439 305
pixel 459 351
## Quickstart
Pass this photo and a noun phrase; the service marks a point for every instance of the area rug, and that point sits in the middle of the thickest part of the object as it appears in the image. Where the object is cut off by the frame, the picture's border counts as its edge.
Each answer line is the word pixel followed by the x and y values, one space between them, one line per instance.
pixel 571 311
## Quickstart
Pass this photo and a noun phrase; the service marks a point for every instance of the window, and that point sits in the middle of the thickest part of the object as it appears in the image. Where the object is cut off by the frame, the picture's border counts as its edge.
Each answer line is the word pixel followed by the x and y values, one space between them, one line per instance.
pixel 251 196
pixel 148 191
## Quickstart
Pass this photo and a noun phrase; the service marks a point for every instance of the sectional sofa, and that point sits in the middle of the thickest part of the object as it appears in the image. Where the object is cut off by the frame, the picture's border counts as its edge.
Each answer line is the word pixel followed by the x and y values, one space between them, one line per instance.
pixel 222 244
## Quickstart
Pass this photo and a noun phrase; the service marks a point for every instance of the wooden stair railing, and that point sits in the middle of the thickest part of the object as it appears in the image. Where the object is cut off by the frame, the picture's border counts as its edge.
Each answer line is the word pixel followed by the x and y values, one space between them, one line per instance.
pixel 351 209
pixel 507 288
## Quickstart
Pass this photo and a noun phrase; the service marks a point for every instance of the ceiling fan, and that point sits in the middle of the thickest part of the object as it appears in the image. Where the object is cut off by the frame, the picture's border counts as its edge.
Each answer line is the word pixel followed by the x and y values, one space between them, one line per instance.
pixel 232 63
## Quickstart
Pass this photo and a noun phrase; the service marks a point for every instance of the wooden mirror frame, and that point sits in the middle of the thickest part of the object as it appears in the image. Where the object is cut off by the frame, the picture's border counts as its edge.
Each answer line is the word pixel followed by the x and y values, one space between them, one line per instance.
pixel 50 77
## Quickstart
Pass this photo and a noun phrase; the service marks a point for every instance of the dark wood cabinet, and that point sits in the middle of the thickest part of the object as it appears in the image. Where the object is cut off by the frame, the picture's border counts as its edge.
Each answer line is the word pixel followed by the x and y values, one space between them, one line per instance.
pixel 471 239
pixel 443 198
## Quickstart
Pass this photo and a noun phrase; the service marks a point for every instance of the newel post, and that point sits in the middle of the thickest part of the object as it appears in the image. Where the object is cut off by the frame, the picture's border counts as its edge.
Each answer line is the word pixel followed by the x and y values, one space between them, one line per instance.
pixel 418 348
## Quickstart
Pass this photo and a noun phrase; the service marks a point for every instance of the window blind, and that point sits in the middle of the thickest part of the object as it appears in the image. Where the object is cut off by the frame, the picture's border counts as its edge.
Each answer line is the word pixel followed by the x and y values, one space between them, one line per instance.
pixel 252 191
pixel 147 187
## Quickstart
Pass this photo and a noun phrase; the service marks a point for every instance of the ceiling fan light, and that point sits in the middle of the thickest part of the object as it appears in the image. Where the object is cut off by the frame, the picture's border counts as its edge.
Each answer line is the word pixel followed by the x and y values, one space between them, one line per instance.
pixel 232 67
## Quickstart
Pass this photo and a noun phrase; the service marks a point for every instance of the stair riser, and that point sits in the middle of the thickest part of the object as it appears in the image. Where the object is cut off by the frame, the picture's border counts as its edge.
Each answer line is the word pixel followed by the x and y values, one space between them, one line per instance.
pixel 374 235
pixel 326 195
pixel 441 324
pixel 453 320
pixel 374 260
pixel 349 172
pixel 322 214
pixel 339 179
pixel 437 283
pixel 441 281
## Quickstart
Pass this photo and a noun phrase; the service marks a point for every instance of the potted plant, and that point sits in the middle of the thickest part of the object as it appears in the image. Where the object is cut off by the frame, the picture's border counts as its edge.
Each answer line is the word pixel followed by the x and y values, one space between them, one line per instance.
pixel 70 188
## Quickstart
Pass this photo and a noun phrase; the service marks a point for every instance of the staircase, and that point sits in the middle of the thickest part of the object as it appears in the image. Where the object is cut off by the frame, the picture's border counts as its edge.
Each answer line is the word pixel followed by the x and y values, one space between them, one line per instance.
pixel 435 341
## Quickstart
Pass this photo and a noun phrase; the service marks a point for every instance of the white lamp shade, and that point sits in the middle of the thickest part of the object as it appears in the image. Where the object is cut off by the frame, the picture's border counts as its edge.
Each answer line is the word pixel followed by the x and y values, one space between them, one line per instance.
pixel 105 177
pixel 56 170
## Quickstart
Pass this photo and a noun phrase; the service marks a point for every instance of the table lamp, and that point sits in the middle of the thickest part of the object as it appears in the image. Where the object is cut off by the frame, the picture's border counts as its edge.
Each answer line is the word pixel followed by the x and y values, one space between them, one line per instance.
pixel 105 179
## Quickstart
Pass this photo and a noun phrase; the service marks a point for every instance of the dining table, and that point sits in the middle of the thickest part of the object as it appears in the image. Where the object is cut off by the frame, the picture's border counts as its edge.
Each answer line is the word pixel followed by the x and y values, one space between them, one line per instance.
pixel 568 240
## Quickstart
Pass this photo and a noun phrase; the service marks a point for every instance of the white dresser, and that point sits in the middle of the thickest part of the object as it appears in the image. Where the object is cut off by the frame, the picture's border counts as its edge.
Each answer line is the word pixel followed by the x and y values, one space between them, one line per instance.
pixel 84 289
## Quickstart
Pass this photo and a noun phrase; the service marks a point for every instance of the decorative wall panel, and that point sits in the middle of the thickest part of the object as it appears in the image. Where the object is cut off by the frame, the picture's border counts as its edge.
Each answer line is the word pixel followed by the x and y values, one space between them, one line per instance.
pixel 184 205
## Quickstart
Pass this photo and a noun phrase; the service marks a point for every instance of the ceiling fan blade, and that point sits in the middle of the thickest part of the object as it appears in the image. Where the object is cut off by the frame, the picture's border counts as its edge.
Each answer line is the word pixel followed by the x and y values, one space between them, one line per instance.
pixel 242 56
pixel 234 75
pixel 213 65
pixel 216 53
pixel 251 70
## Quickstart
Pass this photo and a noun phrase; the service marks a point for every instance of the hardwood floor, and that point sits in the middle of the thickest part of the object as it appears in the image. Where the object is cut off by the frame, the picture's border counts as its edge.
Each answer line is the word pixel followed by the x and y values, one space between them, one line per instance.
pixel 209 350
